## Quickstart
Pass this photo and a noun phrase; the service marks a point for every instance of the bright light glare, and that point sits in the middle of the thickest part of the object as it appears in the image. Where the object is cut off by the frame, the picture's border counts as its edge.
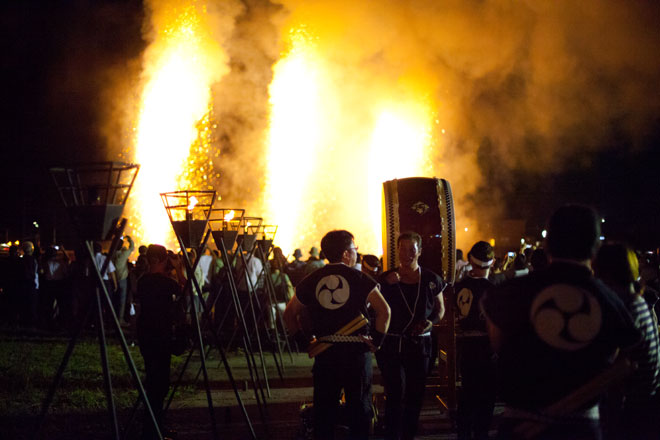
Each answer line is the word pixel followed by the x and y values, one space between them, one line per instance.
pixel 293 139
pixel 397 150
pixel 179 70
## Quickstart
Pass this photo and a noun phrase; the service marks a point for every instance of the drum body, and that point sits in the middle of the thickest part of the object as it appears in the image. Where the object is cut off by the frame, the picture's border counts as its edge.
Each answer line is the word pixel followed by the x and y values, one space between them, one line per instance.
pixel 423 205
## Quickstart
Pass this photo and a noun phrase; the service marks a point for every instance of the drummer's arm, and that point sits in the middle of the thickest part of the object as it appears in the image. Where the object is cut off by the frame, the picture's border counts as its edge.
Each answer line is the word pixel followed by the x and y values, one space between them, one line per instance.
pixel 438 309
pixel 381 309
pixel 293 309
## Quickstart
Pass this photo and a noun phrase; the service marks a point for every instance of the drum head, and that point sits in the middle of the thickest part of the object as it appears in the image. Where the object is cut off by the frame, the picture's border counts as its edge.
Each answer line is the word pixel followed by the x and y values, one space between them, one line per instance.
pixel 423 205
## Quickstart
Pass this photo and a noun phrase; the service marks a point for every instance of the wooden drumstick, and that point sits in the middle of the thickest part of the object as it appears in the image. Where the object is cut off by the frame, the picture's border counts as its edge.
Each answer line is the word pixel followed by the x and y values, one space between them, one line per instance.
pixel 356 323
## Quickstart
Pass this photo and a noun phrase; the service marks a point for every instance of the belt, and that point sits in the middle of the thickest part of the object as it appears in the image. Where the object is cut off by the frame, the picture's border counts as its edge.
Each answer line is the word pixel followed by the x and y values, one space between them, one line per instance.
pixel 340 338
pixel 401 338
pixel 396 335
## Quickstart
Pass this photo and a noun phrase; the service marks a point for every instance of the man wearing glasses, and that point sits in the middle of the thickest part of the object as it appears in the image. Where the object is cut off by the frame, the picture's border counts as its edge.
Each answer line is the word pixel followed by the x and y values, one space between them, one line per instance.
pixel 331 297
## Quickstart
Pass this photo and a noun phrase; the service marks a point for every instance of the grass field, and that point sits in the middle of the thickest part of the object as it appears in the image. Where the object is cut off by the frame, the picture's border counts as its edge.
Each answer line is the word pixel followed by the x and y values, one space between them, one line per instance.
pixel 28 366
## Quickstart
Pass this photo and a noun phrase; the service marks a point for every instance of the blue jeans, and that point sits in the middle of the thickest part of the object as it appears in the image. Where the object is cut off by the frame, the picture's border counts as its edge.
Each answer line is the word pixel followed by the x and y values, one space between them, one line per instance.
pixel 122 288
pixel 349 367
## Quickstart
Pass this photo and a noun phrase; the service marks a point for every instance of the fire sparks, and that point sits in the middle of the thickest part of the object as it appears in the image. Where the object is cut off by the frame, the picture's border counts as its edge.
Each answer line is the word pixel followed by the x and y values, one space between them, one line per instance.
pixel 172 133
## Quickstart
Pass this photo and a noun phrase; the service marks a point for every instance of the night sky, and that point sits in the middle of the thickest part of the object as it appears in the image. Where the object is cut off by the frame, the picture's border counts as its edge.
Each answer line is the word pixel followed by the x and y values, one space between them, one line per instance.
pixel 58 55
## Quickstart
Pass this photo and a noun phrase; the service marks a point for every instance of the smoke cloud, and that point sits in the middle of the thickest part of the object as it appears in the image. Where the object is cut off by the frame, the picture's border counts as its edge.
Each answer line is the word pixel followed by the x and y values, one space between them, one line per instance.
pixel 520 89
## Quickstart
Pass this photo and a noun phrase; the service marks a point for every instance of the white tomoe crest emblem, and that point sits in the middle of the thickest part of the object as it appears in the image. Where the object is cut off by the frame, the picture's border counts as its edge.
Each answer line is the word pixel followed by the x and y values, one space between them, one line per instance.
pixel 332 291
pixel 464 301
pixel 566 317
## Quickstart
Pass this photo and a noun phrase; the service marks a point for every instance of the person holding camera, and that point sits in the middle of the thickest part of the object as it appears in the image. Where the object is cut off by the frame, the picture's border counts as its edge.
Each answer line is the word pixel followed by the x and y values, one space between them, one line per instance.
pixel 157 292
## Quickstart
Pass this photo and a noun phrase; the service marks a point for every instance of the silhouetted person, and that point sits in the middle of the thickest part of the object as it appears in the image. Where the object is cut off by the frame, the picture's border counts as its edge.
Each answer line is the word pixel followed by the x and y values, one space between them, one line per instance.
pixel 314 261
pixel 30 285
pixel 333 296
pixel 56 287
pixel 618 267
pixel 156 293
pixel 555 329
pixel 296 268
pixel 120 260
pixel 371 265
pixel 476 359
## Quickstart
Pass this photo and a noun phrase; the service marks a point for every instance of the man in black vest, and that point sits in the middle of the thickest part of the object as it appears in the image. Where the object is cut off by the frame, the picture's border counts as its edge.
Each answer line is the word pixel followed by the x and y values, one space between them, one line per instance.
pixel 555 329
pixel 332 297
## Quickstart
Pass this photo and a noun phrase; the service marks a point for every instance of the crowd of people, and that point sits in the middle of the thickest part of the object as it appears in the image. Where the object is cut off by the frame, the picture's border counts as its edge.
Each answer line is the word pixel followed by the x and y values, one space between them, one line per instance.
pixel 564 333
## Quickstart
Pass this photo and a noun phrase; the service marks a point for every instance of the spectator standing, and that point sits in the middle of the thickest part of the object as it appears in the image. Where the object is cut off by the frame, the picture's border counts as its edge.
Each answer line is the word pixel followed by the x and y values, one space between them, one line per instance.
pixel 618 267
pixel 462 266
pixel 314 261
pixel 157 293
pixel 120 261
pixel 56 287
pixel 109 277
pixel 371 265
pixel 282 284
pixel 296 268
pixel 30 285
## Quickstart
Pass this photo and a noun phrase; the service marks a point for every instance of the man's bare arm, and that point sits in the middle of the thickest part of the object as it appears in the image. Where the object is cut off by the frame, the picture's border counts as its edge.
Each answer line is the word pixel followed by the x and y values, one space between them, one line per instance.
pixel 382 310
pixel 438 308
pixel 293 309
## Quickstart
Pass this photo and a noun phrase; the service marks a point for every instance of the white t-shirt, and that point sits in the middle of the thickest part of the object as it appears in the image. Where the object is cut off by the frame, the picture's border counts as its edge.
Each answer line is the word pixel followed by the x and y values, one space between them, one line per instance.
pixel 100 260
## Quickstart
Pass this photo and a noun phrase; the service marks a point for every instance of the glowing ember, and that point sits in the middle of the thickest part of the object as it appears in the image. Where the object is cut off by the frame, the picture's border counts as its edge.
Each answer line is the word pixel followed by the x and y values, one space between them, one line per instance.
pixel 229 216
pixel 172 133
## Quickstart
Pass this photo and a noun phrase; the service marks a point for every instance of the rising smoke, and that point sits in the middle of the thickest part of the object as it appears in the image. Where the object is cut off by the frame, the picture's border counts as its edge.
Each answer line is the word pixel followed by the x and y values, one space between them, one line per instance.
pixel 519 88
pixel 519 91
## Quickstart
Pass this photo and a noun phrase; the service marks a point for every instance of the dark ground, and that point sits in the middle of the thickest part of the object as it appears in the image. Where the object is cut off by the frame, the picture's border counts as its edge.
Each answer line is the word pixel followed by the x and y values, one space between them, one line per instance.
pixel 189 413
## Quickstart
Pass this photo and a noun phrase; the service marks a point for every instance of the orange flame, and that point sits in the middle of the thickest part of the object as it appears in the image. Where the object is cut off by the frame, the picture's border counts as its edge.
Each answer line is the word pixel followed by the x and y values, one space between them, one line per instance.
pixel 229 216
pixel 193 203
pixel 382 137
pixel 172 131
